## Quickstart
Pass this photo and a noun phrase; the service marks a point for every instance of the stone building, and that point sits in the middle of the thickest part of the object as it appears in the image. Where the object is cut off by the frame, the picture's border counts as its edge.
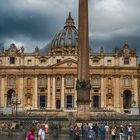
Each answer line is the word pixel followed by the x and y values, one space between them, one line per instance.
pixel 48 80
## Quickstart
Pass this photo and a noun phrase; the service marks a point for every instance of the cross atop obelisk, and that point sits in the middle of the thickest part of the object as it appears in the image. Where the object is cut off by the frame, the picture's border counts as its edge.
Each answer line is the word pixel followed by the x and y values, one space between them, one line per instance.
pixel 83 83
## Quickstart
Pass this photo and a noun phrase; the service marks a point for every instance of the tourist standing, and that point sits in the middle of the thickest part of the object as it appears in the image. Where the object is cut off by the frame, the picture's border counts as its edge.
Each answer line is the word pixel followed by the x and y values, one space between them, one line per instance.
pixel 121 133
pixel 129 130
pixel 113 133
pixel 46 128
pixel 71 130
pixel 102 131
pixel 31 135
pixel 41 133
pixel 106 132
pixel 76 133
pixel 91 133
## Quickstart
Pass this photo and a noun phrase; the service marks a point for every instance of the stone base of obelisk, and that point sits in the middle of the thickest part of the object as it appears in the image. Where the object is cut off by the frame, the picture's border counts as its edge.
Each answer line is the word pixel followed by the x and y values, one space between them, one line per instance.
pixel 83 104
pixel 83 112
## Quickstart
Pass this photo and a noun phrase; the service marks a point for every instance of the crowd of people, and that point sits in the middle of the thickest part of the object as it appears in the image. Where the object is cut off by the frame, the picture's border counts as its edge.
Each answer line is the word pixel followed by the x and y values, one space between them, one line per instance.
pixel 102 131
pixel 41 132
pixel 84 131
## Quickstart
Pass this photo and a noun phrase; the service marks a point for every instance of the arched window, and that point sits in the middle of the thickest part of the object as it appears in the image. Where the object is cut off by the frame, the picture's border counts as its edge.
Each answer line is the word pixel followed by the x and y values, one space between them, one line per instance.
pixel 109 81
pixel 58 82
pixel 11 82
pixel 126 81
pixel 69 81
pixel 62 42
pixel 127 99
pixel 69 41
pixel 10 95
pixel 42 81
pixel 95 80
pixel 29 82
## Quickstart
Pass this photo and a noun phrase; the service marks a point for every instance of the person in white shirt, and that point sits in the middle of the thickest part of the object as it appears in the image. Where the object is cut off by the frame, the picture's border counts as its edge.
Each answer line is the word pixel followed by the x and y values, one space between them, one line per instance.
pixel 41 133
pixel 129 129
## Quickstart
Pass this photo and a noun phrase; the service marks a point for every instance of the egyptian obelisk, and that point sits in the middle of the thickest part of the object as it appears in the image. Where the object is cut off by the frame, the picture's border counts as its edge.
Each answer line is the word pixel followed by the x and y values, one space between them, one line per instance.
pixel 83 82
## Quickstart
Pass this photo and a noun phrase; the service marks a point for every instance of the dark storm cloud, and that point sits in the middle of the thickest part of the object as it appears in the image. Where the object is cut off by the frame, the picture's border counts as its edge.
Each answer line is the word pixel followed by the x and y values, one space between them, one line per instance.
pixel 28 21
pixel 25 21
pixel 35 22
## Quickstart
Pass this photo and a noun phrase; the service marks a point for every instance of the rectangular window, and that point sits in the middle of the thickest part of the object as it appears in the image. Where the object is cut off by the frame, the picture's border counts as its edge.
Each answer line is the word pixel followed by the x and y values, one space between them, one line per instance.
pixel 42 61
pixel 69 101
pixel 126 61
pixel 42 101
pixel 109 62
pixel 96 102
pixel 58 60
pixel 29 61
pixel 12 60
pixel 95 61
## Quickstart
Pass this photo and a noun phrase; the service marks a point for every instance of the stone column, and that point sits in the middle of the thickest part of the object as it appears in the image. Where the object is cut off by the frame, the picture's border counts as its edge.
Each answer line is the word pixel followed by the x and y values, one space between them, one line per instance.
pixel 49 92
pixel 62 93
pixel 135 98
pixel 53 93
pixel 102 93
pixel 35 91
pixel 2 92
pixel 117 96
pixel 21 92
pixel 75 94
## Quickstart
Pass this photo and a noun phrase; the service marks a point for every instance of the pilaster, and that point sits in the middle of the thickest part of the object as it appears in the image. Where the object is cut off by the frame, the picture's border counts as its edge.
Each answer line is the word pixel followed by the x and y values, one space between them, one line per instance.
pixel 21 91
pixel 2 92
pixel 102 92
pixel 62 93
pixel 53 93
pixel 35 93
pixel 48 91
pixel 75 94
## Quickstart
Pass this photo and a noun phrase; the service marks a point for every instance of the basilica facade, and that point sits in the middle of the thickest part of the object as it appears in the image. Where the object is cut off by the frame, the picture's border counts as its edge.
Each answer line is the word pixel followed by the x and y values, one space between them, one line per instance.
pixel 48 80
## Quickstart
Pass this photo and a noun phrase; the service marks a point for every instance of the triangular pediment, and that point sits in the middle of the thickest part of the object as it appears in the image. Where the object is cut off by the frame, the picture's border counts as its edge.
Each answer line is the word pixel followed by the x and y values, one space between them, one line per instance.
pixel 65 63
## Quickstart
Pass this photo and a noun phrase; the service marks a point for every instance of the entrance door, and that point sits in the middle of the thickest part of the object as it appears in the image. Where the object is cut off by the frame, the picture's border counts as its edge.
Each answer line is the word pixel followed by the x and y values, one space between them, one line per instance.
pixel 10 94
pixel 42 101
pixel 95 100
pixel 69 101
pixel 127 99
pixel 58 104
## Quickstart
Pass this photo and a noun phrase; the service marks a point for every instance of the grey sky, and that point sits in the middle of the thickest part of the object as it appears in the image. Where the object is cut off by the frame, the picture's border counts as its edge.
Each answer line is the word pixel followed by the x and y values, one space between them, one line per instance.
pixel 34 23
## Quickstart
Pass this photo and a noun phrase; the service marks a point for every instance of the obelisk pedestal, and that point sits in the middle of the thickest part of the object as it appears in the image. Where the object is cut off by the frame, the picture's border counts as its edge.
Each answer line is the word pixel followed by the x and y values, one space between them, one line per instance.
pixel 83 82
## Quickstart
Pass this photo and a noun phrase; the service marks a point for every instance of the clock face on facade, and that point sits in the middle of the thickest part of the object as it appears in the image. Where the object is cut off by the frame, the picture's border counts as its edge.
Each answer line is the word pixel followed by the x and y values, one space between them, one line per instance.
pixel 12 51
pixel 126 51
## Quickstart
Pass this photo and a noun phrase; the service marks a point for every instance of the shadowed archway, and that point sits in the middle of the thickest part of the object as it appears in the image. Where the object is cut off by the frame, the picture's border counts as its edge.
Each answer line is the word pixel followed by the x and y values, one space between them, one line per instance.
pixel 10 94
pixel 127 99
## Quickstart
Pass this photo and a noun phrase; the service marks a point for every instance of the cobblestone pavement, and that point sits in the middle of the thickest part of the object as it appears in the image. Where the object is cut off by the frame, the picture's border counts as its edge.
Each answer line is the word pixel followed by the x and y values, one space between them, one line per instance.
pixel 65 137
pixel 22 138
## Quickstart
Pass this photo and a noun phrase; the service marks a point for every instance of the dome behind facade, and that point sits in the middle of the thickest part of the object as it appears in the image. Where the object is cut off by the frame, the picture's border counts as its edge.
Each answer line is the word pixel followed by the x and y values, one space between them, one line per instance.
pixel 67 37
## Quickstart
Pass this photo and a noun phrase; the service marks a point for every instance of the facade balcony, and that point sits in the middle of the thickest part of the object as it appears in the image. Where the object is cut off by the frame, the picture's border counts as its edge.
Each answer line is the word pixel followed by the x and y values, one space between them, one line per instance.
pixel 69 86
pixel 58 87
pixel 96 86
pixel 42 86
pixel 12 86
pixel 101 110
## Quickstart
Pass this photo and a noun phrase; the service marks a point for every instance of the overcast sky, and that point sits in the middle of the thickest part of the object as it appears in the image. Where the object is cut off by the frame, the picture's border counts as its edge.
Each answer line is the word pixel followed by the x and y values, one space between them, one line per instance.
pixel 32 23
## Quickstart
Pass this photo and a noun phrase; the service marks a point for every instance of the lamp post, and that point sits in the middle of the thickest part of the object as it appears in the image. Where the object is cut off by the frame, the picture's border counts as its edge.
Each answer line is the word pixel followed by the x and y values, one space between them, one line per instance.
pixel 16 102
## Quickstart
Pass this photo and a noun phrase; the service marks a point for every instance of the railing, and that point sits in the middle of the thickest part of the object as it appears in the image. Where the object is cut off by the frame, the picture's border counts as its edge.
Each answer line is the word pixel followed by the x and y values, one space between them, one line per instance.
pixel 101 110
